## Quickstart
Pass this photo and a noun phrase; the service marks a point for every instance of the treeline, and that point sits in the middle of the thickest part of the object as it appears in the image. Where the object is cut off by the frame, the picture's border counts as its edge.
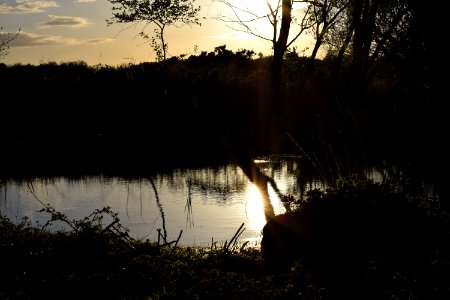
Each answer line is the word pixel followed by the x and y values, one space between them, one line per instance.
pixel 218 84
pixel 211 104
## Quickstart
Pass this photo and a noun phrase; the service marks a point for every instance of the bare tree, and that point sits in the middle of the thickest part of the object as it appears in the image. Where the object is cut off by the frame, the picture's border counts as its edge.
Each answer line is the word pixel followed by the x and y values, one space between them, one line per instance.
pixel 5 40
pixel 281 18
pixel 324 14
pixel 338 39
pixel 159 14
pixel 287 25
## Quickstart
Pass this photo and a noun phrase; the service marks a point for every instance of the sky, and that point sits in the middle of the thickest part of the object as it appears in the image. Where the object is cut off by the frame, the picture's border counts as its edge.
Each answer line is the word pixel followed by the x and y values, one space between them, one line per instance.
pixel 76 30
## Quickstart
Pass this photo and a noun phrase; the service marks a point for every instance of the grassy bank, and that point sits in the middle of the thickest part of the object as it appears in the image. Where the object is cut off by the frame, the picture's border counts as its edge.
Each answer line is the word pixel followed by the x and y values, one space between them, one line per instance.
pixel 94 258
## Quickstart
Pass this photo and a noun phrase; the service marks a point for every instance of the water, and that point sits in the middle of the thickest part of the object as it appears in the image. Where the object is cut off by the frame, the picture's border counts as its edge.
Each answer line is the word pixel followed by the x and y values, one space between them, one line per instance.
pixel 206 205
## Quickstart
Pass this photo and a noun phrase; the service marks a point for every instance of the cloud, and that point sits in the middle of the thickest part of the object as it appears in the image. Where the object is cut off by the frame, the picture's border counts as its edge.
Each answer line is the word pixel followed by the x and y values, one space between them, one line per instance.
pixel 84 1
pixel 97 41
pixel 65 21
pixel 26 7
pixel 33 40
pixel 30 39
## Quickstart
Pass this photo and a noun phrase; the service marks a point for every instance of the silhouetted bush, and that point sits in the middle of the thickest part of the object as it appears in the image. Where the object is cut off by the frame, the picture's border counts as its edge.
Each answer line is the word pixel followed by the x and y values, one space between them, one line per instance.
pixel 357 236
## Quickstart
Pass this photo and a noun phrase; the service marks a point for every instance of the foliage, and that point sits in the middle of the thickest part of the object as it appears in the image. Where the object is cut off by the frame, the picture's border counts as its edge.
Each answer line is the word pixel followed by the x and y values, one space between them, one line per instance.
pixel 93 260
pixel 363 240
pixel 160 13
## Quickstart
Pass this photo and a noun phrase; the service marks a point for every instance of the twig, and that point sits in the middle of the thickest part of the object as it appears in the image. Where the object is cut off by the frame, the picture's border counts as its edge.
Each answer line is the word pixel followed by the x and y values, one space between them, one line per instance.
pixel 178 239
pixel 234 238
pixel 318 168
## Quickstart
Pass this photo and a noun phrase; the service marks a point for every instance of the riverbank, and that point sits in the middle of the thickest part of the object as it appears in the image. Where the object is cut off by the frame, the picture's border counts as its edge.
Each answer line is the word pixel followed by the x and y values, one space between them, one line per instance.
pixel 96 259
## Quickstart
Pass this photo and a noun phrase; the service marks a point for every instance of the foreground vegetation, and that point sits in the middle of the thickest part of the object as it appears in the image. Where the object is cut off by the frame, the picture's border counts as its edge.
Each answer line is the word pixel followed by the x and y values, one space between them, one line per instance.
pixel 96 258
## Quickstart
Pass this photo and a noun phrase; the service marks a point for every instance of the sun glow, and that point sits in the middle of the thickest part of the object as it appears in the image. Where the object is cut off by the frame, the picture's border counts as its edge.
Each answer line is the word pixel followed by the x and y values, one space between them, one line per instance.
pixel 254 18
pixel 263 7
pixel 249 16
pixel 259 7
pixel 254 208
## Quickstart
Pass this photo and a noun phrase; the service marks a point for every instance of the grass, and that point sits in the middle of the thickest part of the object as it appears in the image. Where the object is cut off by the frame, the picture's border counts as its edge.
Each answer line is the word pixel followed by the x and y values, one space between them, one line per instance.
pixel 95 258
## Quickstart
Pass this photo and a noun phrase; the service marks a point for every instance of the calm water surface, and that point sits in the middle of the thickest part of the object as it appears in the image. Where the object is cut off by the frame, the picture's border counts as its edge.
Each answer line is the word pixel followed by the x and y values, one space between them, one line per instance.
pixel 207 204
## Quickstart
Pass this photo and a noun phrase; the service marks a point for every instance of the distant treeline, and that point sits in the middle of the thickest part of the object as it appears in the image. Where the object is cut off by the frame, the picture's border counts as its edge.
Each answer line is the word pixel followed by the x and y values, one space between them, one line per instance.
pixel 217 102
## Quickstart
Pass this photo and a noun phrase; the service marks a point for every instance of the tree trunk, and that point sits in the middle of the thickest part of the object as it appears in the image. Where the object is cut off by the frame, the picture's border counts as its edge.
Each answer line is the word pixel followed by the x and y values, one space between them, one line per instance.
pixel 312 59
pixel 363 21
pixel 281 44
pixel 340 57
pixel 277 106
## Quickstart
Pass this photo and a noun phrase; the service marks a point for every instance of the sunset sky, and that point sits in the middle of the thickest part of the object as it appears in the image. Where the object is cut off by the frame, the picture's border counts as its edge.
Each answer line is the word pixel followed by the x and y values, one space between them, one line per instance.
pixel 73 30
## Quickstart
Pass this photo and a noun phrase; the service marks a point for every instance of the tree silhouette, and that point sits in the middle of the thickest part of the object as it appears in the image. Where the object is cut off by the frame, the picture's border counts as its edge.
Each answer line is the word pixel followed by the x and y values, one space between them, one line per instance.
pixel 280 16
pixel 368 32
pixel 324 15
pixel 158 13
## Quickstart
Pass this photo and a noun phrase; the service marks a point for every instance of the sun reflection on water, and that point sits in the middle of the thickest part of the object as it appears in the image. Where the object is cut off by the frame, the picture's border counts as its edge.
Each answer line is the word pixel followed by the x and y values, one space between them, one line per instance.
pixel 254 208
